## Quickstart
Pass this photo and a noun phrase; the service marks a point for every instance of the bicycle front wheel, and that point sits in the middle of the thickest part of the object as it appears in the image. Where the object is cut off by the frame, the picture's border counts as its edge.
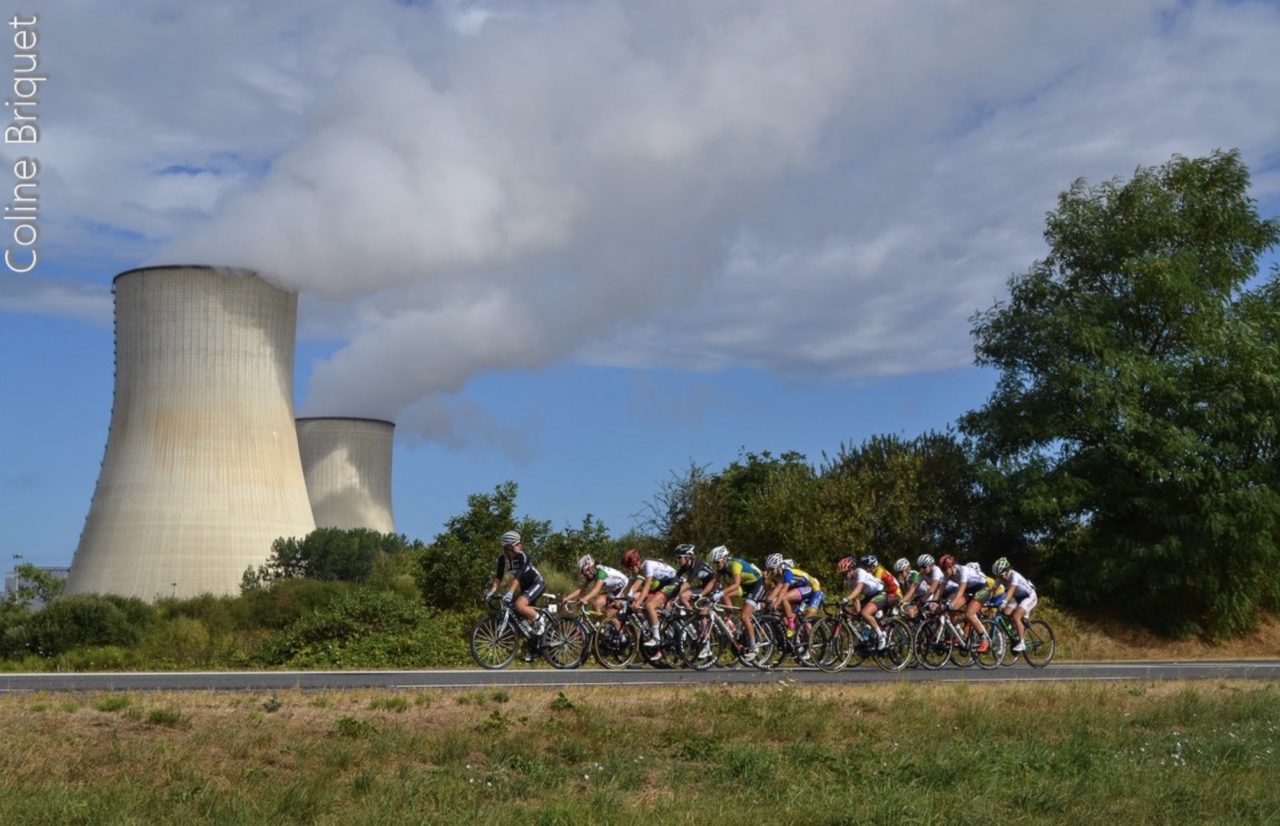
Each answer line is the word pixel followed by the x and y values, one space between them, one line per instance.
pixel 615 645
pixel 493 648
pixel 897 651
pixel 564 644
pixel 998 643
pixel 1040 643
pixel 931 645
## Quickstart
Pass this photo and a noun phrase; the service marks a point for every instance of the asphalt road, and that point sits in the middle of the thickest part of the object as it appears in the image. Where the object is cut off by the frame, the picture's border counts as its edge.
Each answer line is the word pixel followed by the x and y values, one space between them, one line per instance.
pixel 518 675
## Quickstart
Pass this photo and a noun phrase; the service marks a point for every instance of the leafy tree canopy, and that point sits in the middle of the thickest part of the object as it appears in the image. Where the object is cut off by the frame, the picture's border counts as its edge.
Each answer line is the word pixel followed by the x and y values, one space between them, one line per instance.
pixel 1135 417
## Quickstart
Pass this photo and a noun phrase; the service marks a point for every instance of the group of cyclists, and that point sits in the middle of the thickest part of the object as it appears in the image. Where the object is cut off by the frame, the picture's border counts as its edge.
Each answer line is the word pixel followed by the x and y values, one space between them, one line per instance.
pixel 869 589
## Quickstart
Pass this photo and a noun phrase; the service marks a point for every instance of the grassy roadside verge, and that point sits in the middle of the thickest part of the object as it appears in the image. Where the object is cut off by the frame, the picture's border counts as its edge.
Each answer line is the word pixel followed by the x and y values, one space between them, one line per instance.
pixel 1124 752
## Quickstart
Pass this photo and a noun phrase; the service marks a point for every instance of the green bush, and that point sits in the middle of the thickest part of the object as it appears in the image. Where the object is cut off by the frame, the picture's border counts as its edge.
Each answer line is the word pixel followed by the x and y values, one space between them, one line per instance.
pixel 286 601
pixel 369 629
pixel 88 620
pixel 182 642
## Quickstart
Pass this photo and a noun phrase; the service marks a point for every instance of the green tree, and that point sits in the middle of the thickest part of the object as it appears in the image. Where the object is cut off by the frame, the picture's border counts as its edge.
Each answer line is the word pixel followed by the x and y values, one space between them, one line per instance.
pixel 1135 417
pixel 334 554
pixel 459 563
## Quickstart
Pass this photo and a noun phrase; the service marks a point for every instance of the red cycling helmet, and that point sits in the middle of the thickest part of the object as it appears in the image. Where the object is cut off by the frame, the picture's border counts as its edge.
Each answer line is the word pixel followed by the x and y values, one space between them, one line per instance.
pixel 631 558
pixel 844 564
pixel 947 562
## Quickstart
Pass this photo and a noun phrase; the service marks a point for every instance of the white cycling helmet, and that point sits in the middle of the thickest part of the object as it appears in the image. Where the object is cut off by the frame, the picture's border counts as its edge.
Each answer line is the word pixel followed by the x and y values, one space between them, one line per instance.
pixel 586 562
pixel 774 561
pixel 924 561
pixel 974 566
pixel 718 554
pixel 1001 565
pixel 509 539
pixel 901 565
pixel 788 563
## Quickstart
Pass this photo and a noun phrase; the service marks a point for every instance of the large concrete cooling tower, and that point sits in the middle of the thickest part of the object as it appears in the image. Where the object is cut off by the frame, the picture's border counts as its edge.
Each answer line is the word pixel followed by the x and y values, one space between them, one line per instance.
pixel 347 463
pixel 202 470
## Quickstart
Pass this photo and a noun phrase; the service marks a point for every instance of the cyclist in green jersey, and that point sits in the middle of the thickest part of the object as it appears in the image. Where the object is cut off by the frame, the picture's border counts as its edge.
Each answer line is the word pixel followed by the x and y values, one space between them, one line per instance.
pixel 734 575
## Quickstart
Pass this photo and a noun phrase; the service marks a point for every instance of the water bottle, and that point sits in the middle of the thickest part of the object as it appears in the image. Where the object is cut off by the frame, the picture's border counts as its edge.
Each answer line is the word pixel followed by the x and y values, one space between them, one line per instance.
pixel 866 633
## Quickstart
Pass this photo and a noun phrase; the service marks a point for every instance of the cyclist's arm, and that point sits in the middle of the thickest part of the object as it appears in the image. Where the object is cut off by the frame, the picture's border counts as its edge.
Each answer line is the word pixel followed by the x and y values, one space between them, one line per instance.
pixel 855 593
pixel 735 587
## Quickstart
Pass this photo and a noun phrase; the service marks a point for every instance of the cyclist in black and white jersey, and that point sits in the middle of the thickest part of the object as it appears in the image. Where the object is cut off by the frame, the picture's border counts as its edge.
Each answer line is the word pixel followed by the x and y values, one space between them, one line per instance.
pixel 692 574
pixel 524 575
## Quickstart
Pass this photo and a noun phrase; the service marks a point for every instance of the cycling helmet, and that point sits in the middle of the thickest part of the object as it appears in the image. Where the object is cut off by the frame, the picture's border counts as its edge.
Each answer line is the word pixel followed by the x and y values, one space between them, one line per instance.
pixel 631 558
pixel 586 562
pixel 510 539
pixel 869 561
pixel 1001 565
pixel 844 564
pixel 684 549
pixel 924 561
pixel 718 554
pixel 788 563
pixel 774 561
pixel 974 566
pixel 901 566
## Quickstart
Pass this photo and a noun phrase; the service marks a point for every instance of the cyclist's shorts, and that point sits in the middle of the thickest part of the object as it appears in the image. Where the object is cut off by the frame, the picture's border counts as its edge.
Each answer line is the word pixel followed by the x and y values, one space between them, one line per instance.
pixel 812 600
pixel 670 589
pixel 977 590
pixel 538 589
pixel 1027 604
pixel 879 600
pixel 753 593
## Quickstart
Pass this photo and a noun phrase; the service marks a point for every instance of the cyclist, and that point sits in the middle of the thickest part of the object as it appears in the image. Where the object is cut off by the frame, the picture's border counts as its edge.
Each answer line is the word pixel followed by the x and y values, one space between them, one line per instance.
pixel 909 582
pixel 651 579
pixel 600 584
pixel 524 575
pixel 692 574
pixel 1020 598
pixel 867 587
pixel 970 591
pixel 932 580
pixel 736 575
pixel 793 587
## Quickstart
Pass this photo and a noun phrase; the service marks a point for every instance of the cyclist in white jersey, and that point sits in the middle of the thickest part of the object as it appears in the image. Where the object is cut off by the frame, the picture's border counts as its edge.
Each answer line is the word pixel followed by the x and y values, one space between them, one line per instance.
pixel 651 579
pixel 1020 598
pixel 600 583
pixel 971 590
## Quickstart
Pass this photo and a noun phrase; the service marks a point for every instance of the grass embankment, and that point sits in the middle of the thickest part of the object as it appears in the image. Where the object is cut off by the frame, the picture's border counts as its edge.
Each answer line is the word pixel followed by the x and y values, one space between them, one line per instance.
pixel 1125 753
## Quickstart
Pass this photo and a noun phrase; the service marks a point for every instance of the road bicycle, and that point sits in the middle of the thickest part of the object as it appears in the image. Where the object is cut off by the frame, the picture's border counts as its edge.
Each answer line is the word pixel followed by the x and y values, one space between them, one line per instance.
pixel 495 638
pixel 711 636
pixel 796 645
pixel 1038 638
pixel 844 638
pixel 939 640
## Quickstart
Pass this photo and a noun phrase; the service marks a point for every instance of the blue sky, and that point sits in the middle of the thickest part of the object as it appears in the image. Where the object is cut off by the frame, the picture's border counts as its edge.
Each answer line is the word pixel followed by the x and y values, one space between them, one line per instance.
pixel 580 244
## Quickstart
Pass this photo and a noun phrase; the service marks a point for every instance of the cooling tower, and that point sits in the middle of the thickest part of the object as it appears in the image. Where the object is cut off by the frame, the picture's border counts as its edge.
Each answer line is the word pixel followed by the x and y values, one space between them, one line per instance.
pixel 202 471
pixel 347 463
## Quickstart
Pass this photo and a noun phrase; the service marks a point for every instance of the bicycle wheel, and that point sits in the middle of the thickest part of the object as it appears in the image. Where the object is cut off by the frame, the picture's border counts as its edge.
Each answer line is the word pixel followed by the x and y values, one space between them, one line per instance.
pixel 897 651
pixel 1040 643
pixel 493 648
pixel 763 647
pixel 826 646
pixel 776 630
pixel 995 653
pixel 615 645
pixel 564 644
pixel 699 644
pixel 931 647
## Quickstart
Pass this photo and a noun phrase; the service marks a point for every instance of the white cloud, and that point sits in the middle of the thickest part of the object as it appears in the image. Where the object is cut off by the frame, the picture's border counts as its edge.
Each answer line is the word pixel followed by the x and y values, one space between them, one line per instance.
pixel 809 187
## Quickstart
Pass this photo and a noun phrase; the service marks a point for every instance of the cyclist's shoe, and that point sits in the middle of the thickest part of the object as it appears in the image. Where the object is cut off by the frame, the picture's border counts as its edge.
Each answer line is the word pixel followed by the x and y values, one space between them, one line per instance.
pixel 983 647
pixel 882 642
pixel 540 628
pixel 749 656
pixel 1019 647
pixel 650 640
pixel 705 652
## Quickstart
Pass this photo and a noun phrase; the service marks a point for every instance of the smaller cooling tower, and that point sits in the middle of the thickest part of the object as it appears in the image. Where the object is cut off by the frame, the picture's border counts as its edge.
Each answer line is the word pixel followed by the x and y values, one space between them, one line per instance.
pixel 347 465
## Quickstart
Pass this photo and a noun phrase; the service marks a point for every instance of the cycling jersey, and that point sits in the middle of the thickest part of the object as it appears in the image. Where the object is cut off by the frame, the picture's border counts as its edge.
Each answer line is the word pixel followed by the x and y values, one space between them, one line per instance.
pixel 658 572
pixel 1019 586
pixel 615 581
pixel 696 573
pixel 736 567
pixel 887 579
pixel 871 584
pixel 796 578
pixel 523 571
